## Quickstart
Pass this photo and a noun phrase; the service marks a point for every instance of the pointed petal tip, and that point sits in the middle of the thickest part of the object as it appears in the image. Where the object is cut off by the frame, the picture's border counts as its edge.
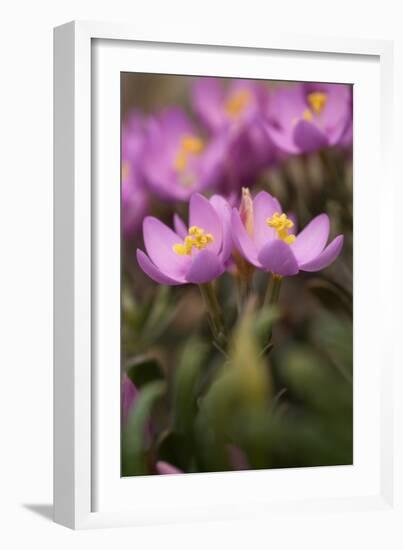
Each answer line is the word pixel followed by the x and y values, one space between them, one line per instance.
pixel 326 257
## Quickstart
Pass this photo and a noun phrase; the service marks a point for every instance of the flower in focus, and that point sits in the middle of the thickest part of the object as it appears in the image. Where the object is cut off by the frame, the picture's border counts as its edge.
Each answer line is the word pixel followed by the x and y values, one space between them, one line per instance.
pixel 129 396
pixel 197 254
pixel 272 246
pixel 133 191
pixel 306 117
pixel 236 111
pixel 177 160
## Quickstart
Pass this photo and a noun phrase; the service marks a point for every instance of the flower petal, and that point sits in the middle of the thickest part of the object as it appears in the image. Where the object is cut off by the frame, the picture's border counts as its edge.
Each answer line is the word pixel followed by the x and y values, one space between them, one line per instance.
pixel 164 468
pixel 208 99
pixel 180 226
pixel 264 206
pixel 223 210
pixel 308 137
pixel 202 214
pixel 326 257
pixel 277 257
pixel 159 240
pixel 312 239
pixel 205 267
pixel 242 240
pixel 153 272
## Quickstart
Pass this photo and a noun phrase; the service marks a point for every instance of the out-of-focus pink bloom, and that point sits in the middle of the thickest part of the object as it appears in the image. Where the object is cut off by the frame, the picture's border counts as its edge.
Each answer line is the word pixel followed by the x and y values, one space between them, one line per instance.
pixel 177 160
pixel 236 111
pixel 196 254
pixel 306 117
pixel 129 396
pixel 272 245
pixel 133 191
pixel 164 468
pixel 221 107
pixel 237 458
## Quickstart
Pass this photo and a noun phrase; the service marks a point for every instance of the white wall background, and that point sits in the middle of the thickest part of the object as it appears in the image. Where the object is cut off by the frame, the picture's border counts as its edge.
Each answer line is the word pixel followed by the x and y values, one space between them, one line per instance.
pixel 26 261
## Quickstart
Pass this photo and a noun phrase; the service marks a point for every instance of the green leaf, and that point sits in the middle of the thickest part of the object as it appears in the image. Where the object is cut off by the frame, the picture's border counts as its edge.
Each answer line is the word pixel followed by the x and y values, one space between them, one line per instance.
pixel 142 370
pixel 186 381
pixel 331 295
pixel 135 446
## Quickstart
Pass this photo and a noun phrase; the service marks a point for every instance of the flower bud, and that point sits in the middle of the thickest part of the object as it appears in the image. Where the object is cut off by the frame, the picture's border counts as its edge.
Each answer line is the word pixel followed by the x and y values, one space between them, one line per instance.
pixel 246 210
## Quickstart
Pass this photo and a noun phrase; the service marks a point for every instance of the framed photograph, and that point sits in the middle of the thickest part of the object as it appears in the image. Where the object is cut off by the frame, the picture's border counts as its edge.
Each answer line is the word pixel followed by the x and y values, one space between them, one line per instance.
pixel 224 331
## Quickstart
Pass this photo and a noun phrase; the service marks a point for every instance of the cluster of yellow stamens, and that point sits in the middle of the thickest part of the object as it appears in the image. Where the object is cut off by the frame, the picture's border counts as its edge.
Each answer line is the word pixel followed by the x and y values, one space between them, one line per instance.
pixel 317 102
pixel 282 225
pixel 237 103
pixel 196 238
pixel 189 145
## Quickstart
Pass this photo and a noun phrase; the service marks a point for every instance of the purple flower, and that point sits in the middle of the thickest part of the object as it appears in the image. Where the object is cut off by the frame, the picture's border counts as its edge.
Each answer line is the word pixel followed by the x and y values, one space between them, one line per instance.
pixel 177 160
pixel 133 192
pixel 236 111
pixel 197 254
pixel 221 108
pixel 164 468
pixel 272 246
pixel 129 396
pixel 306 117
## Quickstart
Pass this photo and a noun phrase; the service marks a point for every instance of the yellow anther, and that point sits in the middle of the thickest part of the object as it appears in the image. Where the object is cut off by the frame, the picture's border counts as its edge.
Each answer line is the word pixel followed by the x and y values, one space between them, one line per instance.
pixel 196 238
pixel 307 115
pixel 189 145
pixel 192 144
pixel 180 249
pixel 317 101
pixel 282 225
pixel 125 170
pixel 237 103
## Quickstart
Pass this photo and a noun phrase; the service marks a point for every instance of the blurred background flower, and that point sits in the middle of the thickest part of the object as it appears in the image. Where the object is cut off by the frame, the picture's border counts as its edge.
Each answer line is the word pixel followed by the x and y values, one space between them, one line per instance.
pixel 308 117
pixel 134 192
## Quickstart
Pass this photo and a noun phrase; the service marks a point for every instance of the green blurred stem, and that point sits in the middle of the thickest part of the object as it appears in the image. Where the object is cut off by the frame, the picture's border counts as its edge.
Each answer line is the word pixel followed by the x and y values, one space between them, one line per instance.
pixel 272 295
pixel 243 284
pixel 214 312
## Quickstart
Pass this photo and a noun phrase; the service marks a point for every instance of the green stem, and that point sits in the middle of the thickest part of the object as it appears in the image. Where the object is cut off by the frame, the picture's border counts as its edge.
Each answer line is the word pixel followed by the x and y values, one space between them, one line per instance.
pixel 243 284
pixel 214 312
pixel 272 295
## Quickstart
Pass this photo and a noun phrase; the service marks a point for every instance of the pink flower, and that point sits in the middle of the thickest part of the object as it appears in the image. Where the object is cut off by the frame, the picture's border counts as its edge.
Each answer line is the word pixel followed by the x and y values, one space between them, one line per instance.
pixel 307 116
pixel 164 468
pixel 270 244
pixel 196 254
pixel 134 194
pixel 177 160
pixel 236 112
pixel 129 396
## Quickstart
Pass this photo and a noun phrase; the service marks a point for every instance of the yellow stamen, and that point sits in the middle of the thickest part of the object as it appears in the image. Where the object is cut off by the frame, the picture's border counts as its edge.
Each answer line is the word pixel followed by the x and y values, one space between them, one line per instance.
pixel 125 170
pixel 317 101
pixel 237 103
pixel 307 115
pixel 189 145
pixel 196 238
pixel 282 225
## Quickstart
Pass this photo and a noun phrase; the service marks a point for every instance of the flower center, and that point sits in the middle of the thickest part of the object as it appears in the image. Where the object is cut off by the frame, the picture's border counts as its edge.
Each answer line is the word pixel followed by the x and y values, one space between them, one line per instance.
pixel 282 225
pixel 189 146
pixel 196 238
pixel 317 102
pixel 237 103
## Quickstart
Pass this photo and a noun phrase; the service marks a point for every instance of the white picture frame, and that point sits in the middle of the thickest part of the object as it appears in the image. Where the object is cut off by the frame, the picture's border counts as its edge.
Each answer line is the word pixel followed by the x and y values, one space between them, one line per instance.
pixel 87 489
